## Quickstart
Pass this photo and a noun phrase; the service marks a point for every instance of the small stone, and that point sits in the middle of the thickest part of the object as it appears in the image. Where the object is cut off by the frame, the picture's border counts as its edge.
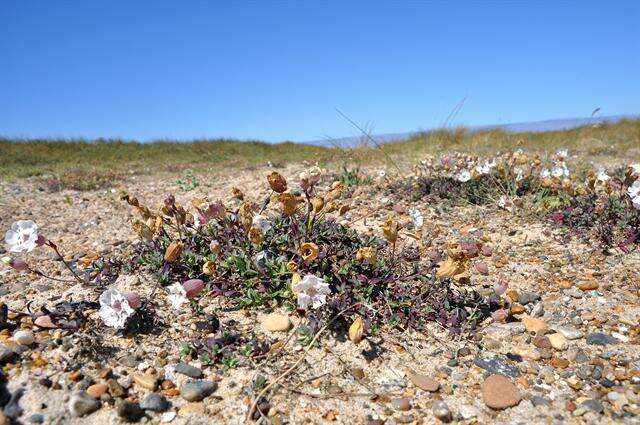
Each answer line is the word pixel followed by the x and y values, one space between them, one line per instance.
pixel 589 285
pixel 36 418
pixel 558 341
pixel 541 341
pixel 168 416
pixel 424 382
pixel 130 411
pixel 188 370
pixel 593 405
pixel 146 381
pixel 498 366
pixel 96 390
pixel 12 408
pixel 569 333
pixel 23 337
pixel 516 309
pixel 403 404
pixel 528 297
pixel 498 392
pixel 277 323
pixel 537 400
pixel 44 322
pixel 7 355
pixel 533 324
pixel 481 267
pixel 441 411
pixel 198 390
pixel 75 376
pixel 155 402
pixel 599 338
pixel 559 363
pixel 115 389
pixel 82 404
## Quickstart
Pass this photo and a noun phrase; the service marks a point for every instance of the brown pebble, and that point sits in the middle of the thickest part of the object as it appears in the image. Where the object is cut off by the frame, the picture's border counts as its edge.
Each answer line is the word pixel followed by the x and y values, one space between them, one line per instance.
pixel 498 392
pixel 424 382
pixel 559 363
pixel 589 285
pixel 96 390
pixel 75 376
pixel 402 404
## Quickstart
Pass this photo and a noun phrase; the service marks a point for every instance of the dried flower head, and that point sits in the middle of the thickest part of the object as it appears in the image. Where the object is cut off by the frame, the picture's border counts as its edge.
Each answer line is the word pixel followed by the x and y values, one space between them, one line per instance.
pixel 255 235
pixel 367 255
pixel 144 231
pixel 309 178
pixel 289 203
pixel 317 203
pixel 23 236
pixel 173 252
pixel 292 266
pixel 309 251
pixel 237 193
pixel 356 330
pixel 277 182
pixel 209 268
pixel 312 292
pixel 390 230
pixel 215 247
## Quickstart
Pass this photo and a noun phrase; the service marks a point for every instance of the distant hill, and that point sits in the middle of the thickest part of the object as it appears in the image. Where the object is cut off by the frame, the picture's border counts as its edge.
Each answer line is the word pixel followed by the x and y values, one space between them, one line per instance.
pixel 521 127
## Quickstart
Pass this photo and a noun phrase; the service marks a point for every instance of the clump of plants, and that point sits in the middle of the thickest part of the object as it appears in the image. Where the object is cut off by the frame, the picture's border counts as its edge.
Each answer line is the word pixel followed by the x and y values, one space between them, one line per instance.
pixel 289 249
pixel 607 207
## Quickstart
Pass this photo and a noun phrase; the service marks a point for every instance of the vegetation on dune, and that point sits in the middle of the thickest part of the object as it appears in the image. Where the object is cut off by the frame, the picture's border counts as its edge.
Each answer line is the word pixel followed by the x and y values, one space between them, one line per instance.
pixel 82 164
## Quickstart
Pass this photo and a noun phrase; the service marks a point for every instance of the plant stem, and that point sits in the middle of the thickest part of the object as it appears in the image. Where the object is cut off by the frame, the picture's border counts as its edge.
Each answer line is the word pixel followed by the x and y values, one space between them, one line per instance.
pixel 61 258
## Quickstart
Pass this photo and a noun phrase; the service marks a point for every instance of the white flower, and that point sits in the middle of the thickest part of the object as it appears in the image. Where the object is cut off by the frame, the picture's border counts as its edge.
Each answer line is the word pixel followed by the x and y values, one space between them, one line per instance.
pixel 22 237
pixel 114 308
pixel 261 223
pixel 635 169
pixel 416 217
pixel 519 174
pixel 636 202
pixel 177 295
pixel 634 189
pixel 560 170
pixel 562 153
pixel 602 175
pixel 463 176
pixel 312 291
pixel 505 203
pixel 545 174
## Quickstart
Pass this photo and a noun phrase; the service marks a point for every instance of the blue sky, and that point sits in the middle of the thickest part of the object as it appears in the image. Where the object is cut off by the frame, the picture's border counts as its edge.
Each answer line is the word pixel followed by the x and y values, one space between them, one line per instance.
pixel 278 70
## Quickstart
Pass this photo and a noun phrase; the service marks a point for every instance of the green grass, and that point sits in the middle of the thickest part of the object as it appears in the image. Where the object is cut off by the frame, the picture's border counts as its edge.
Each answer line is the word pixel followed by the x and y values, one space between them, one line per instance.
pixel 84 164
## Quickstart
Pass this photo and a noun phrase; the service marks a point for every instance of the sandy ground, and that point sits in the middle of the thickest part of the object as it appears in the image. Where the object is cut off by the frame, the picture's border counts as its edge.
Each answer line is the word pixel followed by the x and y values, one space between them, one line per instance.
pixel 338 381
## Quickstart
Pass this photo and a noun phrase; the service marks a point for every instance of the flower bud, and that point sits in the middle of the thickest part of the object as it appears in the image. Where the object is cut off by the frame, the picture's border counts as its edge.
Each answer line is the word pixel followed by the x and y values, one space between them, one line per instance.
pixel 277 182
pixel 133 299
pixel 193 287
pixel 173 251
pixel 19 265
pixel 215 247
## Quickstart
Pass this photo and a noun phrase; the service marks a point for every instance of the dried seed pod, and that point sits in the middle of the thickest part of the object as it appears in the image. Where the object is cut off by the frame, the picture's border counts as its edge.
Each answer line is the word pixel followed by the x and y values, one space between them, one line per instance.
pixel 390 230
pixel 237 193
pixel 209 268
pixel 277 182
pixel 318 204
pixel 309 251
pixel 173 252
pixel 356 330
pixel 142 230
pixel 255 235
pixel 289 203
pixel 193 287
pixel 367 255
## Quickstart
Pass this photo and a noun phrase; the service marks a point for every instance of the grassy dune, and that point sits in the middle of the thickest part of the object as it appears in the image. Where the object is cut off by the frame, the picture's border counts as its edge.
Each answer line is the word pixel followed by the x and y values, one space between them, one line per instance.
pixel 92 161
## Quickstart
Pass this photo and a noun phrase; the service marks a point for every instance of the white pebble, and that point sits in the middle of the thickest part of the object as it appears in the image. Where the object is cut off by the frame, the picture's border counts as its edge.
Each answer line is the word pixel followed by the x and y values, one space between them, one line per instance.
pixel 168 416
pixel 23 337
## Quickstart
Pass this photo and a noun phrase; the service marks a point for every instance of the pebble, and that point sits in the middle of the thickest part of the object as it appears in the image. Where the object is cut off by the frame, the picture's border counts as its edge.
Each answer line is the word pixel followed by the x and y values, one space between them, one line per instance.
pixel 498 392
pixel 198 390
pixel 130 411
pixel 533 324
pixel 168 416
pixel 146 381
pixel 599 338
pixel 115 389
pixel 277 323
pixel 24 337
pixel 155 402
pixel 12 409
pixel 569 333
pixel 403 404
pixel 81 404
pixel 424 382
pixel 188 370
pixel 96 390
pixel 441 411
pixel 558 341
pixel 593 405
pixel 526 297
pixel 498 366
pixel 36 418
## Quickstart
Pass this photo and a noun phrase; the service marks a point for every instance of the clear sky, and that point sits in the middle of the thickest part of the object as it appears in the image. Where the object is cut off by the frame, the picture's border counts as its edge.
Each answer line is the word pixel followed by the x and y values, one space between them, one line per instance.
pixel 277 70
